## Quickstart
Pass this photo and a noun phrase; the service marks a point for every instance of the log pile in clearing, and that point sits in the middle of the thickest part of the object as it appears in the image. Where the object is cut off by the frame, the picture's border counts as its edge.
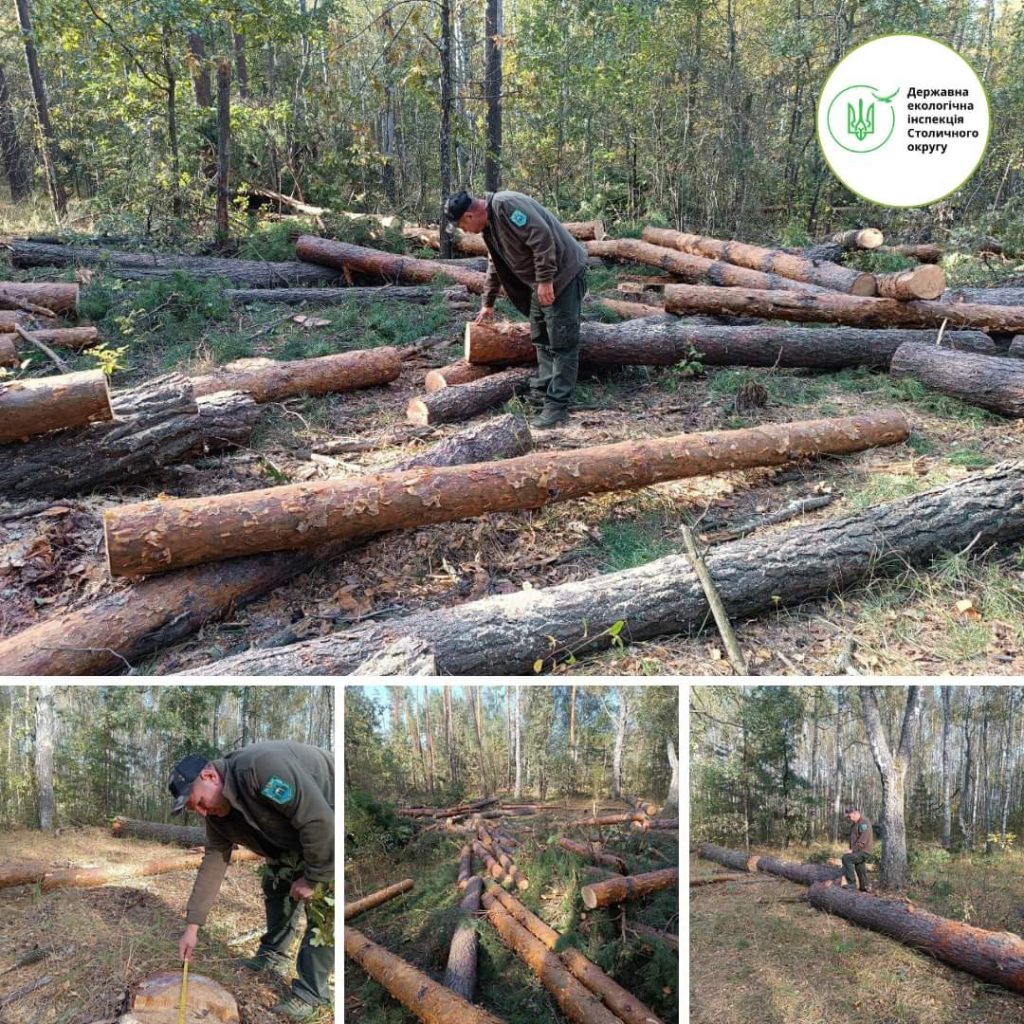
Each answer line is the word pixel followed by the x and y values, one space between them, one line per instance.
pixel 375 899
pixel 160 536
pixel 40 405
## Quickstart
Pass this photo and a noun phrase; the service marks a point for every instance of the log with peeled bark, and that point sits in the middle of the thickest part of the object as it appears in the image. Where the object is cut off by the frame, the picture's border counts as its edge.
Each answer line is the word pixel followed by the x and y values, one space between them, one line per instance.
pixel 923 282
pixel 465 866
pixel 594 853
pixel 55 296
pixel 452 404
pixel 417 992
pixel 75 338
pixel 460 372
pixel 997 957
pixel 133 622
pixel 348 258
pixel 159 536
pixel 507 634
pixel 416 294
pixel 40 405
pixel 177 835
pixel 735 859
pixel 987 296
pixel 577 1003
pixel 268 380
pixel 375 899
pixel 664 341
pixel 689 266
pixel 9 351
pixel 155 424
pixel 834 307
pixel 628 887
pixel 623 1004
pixel 773 261
pixel 859 238
pixel 666 938
pixel 460 974
pixel 992 382
pixel 144 266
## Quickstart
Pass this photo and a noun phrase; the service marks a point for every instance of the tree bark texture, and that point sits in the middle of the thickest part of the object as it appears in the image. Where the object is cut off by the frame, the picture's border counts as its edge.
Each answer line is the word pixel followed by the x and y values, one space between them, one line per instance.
pixel 628 310
pixel 415 294
pixel 58 297
pixel 506 634
pixel 460 974
pixel 628 887
pixel 44 757
pixel 465 866
pixel 594 853
pixel 992 382
pixel 176 835
pixel 802 874
pixel 924 282
pixel 925 252
pixel 474 245
pixel 998 957
pixel 988 296
pixel 735 859
pixel 9 319
pixel 11 150
pixel 75 338
pixel 223 150
pixel 460 372
pixel 834 307
pixel 139 265
pixel 40 405
pixel 163 535
pixel 417 992
pixel 453 404
pixel 375 899
pixel 155 424
pixel 769 261
pixel 348 258
pixel 9 351
pixel 268 380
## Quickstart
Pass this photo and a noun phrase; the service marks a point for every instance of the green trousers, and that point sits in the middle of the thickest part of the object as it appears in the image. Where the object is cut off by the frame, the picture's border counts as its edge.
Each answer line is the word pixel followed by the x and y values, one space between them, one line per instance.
pixel 555 330
pixel 315 963
pixel 856 861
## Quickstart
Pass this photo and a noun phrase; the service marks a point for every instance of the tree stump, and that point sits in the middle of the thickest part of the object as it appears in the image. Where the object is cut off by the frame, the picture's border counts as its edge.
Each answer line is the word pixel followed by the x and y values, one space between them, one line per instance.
pixel 156 1000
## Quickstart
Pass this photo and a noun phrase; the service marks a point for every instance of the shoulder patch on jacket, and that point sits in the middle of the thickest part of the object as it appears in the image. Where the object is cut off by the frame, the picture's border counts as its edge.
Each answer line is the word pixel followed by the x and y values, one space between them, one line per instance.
pixel 278 790
pixel 862 827
pixel 518 218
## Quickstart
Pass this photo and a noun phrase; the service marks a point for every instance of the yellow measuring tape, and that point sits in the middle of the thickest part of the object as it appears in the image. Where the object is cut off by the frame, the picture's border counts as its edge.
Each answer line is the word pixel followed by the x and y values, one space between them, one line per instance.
pixel 184 992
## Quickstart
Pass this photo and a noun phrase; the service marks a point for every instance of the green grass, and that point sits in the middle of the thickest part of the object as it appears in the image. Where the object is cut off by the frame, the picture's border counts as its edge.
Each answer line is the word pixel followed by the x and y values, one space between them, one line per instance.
pixel 789 388
pixel 970 456
pixel 626 544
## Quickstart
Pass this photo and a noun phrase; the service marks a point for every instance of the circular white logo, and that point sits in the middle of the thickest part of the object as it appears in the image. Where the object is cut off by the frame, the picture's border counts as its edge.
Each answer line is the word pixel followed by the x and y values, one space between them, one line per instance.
pixel 903 121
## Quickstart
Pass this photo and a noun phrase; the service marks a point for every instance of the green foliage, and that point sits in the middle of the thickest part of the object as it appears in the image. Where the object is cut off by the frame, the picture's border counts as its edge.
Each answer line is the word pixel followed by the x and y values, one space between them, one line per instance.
pixel 109 360
pixel 369 233
pixel 626 544
pixel 269 241
pixel 372 825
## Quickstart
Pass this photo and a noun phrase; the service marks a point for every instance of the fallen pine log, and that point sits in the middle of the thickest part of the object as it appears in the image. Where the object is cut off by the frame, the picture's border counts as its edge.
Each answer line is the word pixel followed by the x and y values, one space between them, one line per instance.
pixel 774 261
pixel 463 401
pixel 143 266
pixel 415 294
pixel 664 341
pixel 626 1007
pixel 629 310
pixel 417 992
pixel 448 812
pixel 159 536
pixel 375 899
pixel 923 252
pixel 628 887
pixel 859 238
pixel 666 938
pixel 802 874
pixel 922 282
pixel 56 296
pixel 9 351
pixel 465 866
pixel 690 267
pixel 594 853
pixel 154 425
pixel 75 338
pixel 459 372
pixel 10 998
pixel 735 859
pixel 268 380
pixel 349 258
pixel 512 872
pixel 40 405
pixel 987 296
pixel 9 319
pixel 998 957
pixel 575 1000
pixel 116 630
pixel 696 883
pixel 639 804
pixel 992 382
pixel 490 862
pixel 835 307
pixel 1016 349
pixel 428 237
pixel 609 819
pixel 177 835
pixel 460 973
pixel 663 824
pixel 507 634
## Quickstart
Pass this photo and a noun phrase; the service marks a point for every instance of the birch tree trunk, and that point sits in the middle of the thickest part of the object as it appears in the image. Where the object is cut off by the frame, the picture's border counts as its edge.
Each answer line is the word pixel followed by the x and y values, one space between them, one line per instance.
pixel 518 791
pixel 44 756
pixel 947 768
pixel 671 808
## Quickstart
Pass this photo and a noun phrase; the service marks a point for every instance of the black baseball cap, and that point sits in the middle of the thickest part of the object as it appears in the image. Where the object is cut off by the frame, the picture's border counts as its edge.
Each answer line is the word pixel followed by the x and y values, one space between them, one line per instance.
pixel 456 205
pixel 183 774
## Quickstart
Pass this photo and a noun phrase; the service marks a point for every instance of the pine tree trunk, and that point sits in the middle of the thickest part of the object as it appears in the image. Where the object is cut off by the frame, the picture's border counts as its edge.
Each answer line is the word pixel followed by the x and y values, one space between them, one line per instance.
pixel 11 150
pixel 200 70
pixel 947 768
pixel 629 887
pixel 223 151
pixel 927 282
pixel 35 406
pixel 177 835
pixel 44 757
pixel 494 30
pixel 672 800
pixel 375 899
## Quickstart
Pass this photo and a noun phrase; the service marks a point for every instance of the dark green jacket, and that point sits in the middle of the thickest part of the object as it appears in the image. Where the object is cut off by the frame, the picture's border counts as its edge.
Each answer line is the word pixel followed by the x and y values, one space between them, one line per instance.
pixel 862 836
pixel 282 799
pixel 527 245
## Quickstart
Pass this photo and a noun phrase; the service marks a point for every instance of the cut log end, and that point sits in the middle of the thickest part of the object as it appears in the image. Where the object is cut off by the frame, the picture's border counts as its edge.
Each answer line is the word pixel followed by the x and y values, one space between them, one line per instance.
pixel 417 412
pixel 864 285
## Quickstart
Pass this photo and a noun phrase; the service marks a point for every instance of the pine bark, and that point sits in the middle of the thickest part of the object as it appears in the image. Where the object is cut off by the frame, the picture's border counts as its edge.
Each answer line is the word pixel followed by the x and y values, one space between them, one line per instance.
pixel 997 957
pixel 465 866
pixel 201 83
pixel 988 296
pixel 773 261
pixel 349 258
pixel 417 992
pixel 594 853
pixel 9 319
pixel 160 536
pixel 460 974
pixel 58 297
pixel 802 874
pixel 413 294
pixel 223 150
pixel 40 405
pixel 460 372
pixel 834 307
pixel 454 404
pixel 74 338
pixel 375 899
pixel 735 859
pixel 628 887
pixel 507 634
pixel 925 252
pixel 474 245
pixel 176 835
pixel 44 757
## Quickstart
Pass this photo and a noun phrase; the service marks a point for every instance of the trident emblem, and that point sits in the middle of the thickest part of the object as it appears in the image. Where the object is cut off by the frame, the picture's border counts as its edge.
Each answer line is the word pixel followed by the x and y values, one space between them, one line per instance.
pixel 857 124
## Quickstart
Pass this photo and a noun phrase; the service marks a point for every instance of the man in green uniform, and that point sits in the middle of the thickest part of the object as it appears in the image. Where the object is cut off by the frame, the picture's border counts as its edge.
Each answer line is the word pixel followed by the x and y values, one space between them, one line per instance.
pixel 277 799
pixel 862 842
pixel 543 270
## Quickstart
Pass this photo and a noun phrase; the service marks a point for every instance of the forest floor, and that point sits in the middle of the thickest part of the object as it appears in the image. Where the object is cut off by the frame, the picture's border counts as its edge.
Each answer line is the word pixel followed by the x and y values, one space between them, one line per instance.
pixel 418 925
pixel 758 956
pixel 106 939
pixel 962 615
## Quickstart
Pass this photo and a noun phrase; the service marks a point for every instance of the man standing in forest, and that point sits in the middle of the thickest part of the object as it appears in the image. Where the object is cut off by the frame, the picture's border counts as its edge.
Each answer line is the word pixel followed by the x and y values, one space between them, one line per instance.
pixel 862 842
pixel 543 270
pixel 276 799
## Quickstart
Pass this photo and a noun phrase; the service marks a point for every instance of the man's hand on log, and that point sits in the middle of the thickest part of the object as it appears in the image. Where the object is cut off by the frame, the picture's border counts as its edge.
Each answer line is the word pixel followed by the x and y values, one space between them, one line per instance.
pixel 486 313
pixel 545 293
pixel 188 941
pixel 301 889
